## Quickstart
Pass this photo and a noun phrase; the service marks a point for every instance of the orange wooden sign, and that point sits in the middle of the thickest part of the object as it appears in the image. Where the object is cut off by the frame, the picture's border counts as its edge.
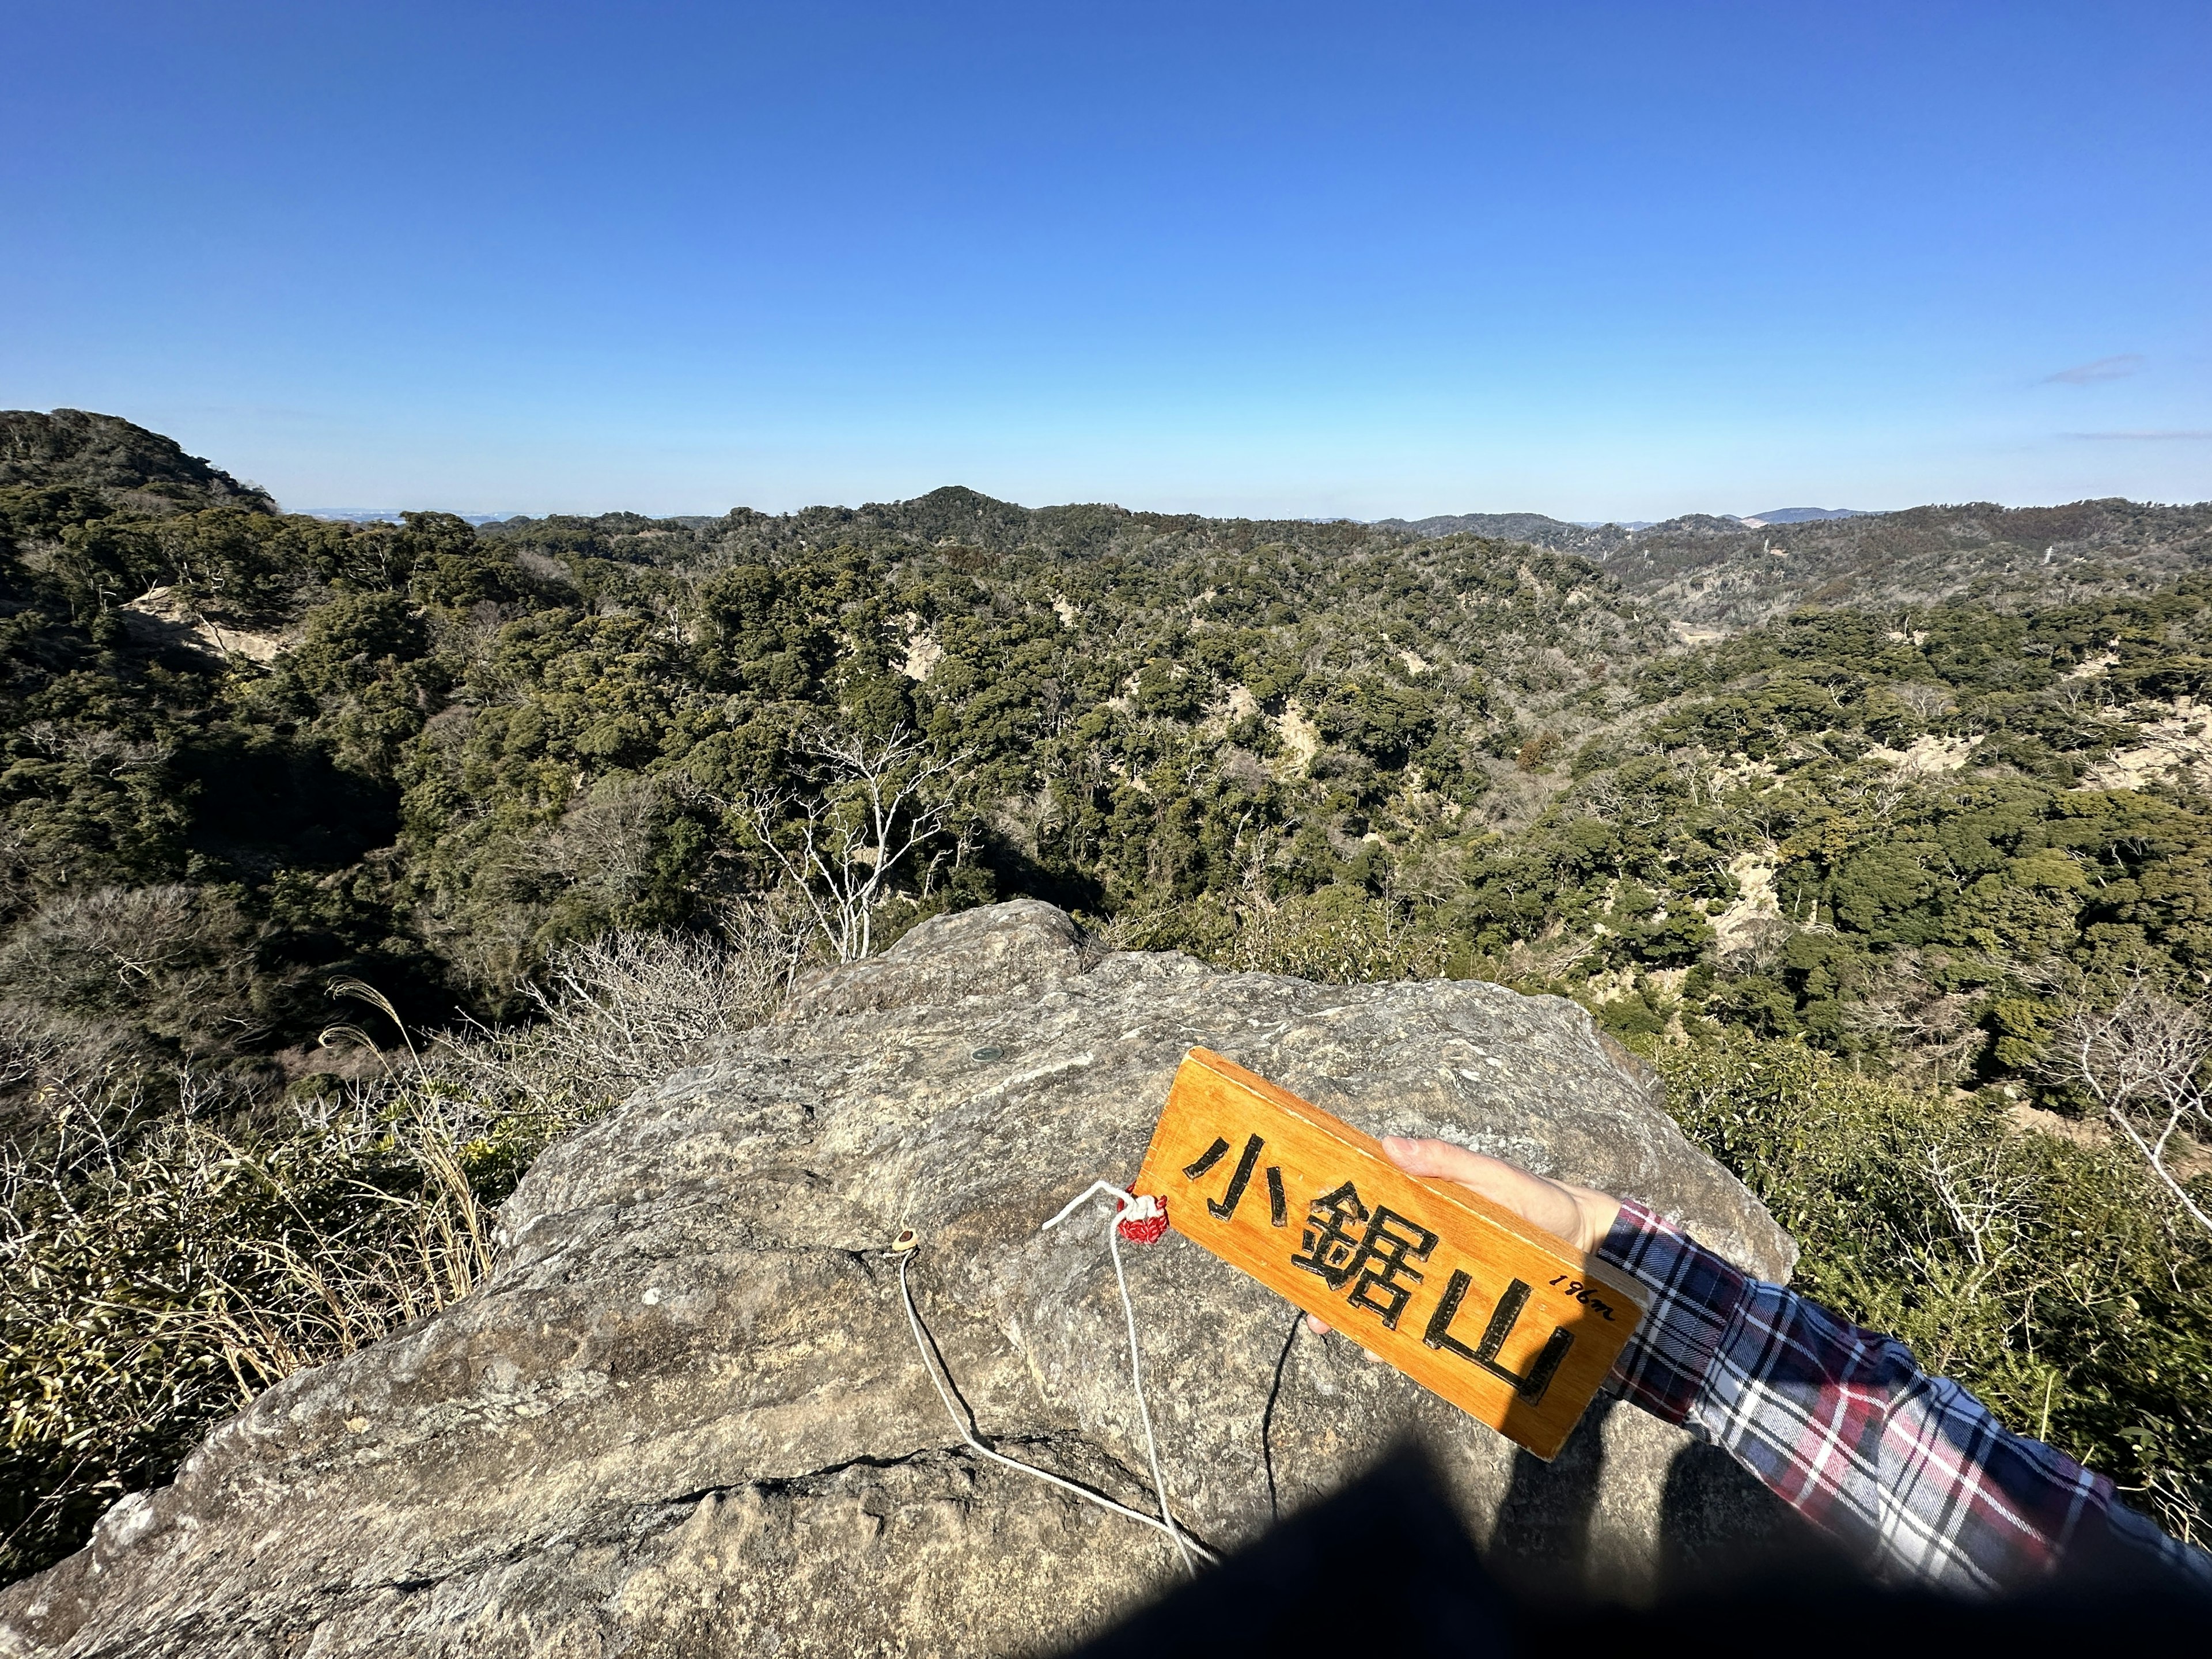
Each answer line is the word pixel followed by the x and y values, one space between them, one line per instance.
pixel 1511 1324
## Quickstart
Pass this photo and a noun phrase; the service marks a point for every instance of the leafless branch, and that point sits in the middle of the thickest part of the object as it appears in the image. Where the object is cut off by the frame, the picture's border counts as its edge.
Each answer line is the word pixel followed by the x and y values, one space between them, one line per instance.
pixel 2140 1055
pixel 869 807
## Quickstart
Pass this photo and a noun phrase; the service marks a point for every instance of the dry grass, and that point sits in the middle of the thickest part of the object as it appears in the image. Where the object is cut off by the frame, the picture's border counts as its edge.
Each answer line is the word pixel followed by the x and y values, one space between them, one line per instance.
pixel 159 1268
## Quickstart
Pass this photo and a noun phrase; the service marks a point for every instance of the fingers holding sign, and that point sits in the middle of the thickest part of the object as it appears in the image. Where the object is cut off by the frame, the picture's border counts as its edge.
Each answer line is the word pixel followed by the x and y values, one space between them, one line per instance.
pixel 1580 1215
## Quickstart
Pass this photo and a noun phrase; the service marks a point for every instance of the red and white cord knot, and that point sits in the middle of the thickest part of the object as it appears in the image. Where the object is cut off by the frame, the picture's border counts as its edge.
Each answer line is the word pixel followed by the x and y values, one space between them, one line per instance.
pixel 1143 1219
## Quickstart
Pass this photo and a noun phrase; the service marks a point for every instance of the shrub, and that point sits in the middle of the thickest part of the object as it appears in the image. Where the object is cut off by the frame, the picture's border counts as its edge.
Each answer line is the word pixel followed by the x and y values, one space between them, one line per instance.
pixel 2052 1279
pixel 173 962
pixel 1338 935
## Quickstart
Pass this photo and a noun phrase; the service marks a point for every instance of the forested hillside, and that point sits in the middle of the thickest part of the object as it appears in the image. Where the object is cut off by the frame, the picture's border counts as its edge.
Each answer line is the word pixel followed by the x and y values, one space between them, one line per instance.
pixel 1715 574
pixel 1872 868
pixel 426 754
pixel 126 467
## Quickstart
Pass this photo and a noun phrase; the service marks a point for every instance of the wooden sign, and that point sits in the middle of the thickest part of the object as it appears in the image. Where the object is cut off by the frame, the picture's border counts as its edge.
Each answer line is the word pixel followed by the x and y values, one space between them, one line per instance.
pixel 1513 1324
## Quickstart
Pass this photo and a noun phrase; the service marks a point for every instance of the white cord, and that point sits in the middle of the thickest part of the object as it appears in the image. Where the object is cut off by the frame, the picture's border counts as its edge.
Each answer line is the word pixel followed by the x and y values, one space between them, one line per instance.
pixel 1165 1522
pixel 1123 1202
pixel 952 1411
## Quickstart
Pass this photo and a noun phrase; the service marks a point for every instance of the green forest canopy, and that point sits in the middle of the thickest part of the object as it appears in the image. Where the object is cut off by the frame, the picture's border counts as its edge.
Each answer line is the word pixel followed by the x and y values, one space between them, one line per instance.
pixel 249 753
pixel 469 745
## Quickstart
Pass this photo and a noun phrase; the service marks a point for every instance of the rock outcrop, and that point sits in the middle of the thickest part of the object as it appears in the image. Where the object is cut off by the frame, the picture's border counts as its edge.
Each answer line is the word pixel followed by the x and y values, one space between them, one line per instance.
pixel 687 1416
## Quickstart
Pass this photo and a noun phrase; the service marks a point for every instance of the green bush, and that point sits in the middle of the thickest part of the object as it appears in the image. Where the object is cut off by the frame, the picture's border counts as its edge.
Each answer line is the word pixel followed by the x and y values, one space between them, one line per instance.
pixel 1338 935
pixel 2050 1278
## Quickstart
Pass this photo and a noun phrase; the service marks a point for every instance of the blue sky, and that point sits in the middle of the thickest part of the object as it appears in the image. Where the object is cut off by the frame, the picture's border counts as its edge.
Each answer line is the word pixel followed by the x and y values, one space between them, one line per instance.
pixel 1590 260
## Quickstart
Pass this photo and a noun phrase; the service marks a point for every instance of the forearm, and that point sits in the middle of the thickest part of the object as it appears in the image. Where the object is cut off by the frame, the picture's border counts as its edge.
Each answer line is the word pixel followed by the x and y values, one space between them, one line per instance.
pixel 1911 1473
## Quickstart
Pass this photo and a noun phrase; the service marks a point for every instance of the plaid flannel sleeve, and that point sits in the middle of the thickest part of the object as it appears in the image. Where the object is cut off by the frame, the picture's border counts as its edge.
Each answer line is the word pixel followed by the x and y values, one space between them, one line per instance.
pixel 1910 1472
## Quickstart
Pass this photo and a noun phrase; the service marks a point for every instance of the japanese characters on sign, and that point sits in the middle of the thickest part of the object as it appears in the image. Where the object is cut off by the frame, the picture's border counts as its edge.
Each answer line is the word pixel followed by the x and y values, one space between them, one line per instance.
pixel 1510 1323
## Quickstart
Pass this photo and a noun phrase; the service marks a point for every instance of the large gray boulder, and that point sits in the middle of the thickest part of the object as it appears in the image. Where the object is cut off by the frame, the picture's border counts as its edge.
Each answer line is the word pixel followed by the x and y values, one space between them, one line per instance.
pixel 687 1416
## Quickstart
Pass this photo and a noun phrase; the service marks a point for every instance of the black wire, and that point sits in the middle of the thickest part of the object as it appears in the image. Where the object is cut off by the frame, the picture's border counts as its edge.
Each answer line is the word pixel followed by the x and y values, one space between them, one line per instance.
pixel 1267 1418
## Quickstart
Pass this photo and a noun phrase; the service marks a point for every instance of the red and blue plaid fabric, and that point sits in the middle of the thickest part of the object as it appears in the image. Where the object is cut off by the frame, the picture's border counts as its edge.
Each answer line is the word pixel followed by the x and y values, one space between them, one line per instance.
pixel 1909 1471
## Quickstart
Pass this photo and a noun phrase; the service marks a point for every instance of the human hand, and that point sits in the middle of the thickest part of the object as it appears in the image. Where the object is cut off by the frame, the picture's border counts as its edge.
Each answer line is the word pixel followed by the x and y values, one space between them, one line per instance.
pixel 1581 1215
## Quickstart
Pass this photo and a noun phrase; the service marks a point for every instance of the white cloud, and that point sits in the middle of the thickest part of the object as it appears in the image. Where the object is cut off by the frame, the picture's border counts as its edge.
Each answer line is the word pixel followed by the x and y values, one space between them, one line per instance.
pixel 2105 369
pixel 2154 436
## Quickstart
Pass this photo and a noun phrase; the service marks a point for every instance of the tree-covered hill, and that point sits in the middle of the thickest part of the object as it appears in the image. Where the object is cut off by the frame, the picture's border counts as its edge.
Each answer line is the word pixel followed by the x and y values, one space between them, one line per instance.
pixel 125 464
pixel 1713 572
pixel 452 749
pixel 281 749
pixel 1593 541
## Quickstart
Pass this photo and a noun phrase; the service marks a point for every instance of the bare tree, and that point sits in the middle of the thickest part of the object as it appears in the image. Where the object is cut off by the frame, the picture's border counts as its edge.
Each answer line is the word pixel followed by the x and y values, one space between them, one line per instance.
pixel 1879 790
pixel 1987 1196
pixel 1930 1035
pixel 2142 1058
pixel 871 805
pixel 629 1008
pixel 605 840
pixel 1926 698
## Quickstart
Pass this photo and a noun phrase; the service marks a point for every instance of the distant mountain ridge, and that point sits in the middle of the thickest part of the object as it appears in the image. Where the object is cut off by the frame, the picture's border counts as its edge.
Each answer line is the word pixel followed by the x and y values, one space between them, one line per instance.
pixel 1534 528
pixel 1544 532
pixel 1723 574
pixel 392 515
pixel 1704 570
pixel 956 519
pixel 1710 571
